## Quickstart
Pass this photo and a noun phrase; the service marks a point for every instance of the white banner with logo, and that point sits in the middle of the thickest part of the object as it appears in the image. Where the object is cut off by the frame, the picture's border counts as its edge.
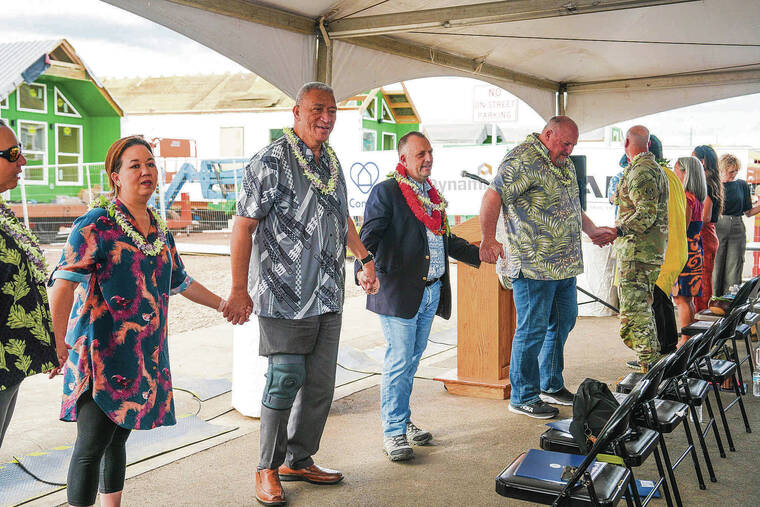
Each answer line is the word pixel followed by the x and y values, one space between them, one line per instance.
pixel 365 169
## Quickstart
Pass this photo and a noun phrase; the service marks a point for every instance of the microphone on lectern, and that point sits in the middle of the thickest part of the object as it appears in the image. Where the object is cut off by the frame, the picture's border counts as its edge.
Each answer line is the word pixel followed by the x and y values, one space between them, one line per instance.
pixel 475 177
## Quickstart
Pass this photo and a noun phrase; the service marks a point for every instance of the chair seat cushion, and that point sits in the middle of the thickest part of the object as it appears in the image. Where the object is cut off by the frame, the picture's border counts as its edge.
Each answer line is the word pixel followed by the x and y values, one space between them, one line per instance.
pixel 609 486
pixel 697 388
pixel 669 414
pixel 638 448
pixel 721 370
pixel 629 381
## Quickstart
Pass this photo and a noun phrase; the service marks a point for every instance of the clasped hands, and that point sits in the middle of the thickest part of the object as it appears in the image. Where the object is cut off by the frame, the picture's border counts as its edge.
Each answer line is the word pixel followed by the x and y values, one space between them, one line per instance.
pixel 367 278
pixel 602 236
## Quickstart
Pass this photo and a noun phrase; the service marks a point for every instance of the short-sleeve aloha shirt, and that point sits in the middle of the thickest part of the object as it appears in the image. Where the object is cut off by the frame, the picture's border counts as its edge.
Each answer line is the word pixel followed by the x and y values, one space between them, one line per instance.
pixel 298 260
pixel 26 333
pixel 542 213
pixel 117 328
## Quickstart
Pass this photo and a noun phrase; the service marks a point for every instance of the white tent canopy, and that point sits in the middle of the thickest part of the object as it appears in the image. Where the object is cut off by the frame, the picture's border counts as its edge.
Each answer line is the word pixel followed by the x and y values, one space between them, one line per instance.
pixel 599 61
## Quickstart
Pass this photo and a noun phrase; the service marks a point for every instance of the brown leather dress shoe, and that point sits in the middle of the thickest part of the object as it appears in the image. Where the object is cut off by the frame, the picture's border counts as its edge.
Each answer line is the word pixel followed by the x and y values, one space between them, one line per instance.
pixel 312 474
pixel 268 487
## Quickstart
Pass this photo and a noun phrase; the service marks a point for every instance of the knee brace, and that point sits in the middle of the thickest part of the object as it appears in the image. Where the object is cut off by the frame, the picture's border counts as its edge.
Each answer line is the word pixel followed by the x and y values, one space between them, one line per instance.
pixel 284 379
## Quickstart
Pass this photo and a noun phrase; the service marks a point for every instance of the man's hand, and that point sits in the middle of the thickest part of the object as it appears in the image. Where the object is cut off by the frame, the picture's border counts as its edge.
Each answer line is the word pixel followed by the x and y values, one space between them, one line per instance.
pixel 239 307
pixel 490 250
pixel 62 352
pixel 602 236
pixel 370 287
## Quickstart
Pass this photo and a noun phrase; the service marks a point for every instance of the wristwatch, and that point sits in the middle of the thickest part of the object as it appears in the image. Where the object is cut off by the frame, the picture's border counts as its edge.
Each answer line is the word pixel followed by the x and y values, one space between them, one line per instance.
pixel 367 259
pixel 619 231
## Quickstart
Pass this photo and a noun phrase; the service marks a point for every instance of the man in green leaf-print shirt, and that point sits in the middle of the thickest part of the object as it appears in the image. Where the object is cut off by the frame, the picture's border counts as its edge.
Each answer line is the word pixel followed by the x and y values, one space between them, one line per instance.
pixel 537 190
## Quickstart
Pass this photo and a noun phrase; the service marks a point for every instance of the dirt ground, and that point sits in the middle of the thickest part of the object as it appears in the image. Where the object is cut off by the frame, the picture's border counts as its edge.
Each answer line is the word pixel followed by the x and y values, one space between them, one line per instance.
pixel 213 271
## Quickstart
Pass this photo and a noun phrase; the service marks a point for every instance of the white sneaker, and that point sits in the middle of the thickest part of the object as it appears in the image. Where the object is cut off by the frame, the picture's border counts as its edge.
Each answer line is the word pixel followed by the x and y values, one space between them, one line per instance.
pixel 416 436
pixel 397 448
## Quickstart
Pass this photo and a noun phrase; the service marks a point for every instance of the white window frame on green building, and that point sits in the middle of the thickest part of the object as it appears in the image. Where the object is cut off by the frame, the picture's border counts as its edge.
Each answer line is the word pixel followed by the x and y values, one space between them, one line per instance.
pixel 372 106
pixel 58 172
pixel 385 109
pixel 27 152
pixel 391 135
pixel 374 144
pixel 19 93
pixel 58 93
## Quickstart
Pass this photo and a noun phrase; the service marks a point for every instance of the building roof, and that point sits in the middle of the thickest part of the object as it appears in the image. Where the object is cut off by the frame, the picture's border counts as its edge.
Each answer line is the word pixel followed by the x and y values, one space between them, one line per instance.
pixel 197 94
pixel 60 59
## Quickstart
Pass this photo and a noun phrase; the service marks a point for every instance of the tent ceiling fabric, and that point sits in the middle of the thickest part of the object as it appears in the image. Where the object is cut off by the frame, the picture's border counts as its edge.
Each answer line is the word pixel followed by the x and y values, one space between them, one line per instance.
pixel 615 58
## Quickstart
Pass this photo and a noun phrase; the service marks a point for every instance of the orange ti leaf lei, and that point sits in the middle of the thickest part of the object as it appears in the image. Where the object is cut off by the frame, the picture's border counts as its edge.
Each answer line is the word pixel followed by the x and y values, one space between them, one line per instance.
pixel 436 221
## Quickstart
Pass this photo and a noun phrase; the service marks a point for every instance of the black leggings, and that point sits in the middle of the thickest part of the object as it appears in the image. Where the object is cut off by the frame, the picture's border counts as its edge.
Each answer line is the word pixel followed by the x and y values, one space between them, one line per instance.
pixel 98 454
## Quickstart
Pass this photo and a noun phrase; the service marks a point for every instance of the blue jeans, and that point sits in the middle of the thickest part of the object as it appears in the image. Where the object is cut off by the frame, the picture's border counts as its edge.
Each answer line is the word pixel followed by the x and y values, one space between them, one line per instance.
pixel 406 339
pixel 546 313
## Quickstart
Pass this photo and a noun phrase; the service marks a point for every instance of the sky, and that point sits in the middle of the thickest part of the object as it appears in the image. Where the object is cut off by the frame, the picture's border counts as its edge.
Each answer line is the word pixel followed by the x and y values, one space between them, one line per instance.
pixel 116 43
pixel 113 42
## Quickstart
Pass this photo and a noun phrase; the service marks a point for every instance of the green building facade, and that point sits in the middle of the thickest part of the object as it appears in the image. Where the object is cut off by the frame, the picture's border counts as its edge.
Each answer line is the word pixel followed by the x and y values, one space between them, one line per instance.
pixel 65 122
pixel 387 117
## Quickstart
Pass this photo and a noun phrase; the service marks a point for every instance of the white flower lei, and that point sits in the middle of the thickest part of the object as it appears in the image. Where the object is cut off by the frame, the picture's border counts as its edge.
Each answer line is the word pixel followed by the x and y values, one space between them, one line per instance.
pixel 325 188
pixel 424 200
pixel 122 221
pixel 26 241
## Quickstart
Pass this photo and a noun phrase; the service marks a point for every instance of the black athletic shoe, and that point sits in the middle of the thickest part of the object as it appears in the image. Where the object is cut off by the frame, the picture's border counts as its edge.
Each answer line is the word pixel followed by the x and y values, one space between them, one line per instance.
pixel 539 410
pixel 561 397
pixel 633 364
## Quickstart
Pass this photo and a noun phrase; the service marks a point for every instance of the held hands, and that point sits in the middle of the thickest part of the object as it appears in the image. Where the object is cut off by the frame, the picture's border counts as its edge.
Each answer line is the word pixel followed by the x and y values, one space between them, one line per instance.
pixel 602 236
pixel 238 308
pixel 367 278
pixel 490 250
pixel 62 351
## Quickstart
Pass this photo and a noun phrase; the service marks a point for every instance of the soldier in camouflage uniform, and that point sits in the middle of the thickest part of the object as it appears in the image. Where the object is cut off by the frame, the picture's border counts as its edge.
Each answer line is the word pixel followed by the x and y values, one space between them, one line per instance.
pixel 642 228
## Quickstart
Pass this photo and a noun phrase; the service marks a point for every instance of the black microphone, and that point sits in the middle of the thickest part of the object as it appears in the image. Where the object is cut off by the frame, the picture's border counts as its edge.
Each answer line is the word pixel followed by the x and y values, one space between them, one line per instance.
pixel 475 177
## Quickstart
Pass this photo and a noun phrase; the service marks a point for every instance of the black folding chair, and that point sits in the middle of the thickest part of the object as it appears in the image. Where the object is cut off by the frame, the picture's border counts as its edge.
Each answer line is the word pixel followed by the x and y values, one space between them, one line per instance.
pixel 606 488
pixel 705 366
pixel 635 446
pixel 675 400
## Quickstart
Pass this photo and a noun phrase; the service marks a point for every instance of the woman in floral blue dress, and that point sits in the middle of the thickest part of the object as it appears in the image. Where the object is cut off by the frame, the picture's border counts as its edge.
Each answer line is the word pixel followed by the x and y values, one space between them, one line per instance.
pixel 109 302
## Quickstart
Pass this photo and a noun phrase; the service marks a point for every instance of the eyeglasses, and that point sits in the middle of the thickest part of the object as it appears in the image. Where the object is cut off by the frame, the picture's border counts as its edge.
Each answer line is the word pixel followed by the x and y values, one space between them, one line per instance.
pixel 11 154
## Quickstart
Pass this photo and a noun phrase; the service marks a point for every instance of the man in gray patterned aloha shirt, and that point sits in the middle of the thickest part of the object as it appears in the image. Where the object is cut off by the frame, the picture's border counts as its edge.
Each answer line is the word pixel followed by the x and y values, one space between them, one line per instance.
pixel 537 189
pixel 288 249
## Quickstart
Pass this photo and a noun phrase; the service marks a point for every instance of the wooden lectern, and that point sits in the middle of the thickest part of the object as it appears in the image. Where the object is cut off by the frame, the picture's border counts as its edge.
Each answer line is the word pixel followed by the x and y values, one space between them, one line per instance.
pixel 485 327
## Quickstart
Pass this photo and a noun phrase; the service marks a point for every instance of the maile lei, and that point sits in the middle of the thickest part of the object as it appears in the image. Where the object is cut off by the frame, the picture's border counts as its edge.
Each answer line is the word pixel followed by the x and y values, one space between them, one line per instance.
pixel 149 249
pixel 436 221
pixel 26 241
pixel 563 174
pixel 326 188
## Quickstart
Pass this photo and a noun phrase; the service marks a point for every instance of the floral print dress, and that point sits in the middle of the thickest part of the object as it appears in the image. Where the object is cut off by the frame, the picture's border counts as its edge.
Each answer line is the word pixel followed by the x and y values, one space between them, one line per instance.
pixel 117 328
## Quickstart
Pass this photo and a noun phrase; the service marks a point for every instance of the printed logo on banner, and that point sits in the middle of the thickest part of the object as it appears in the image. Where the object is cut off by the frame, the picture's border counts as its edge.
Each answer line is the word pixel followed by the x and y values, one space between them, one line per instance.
pixel 485 169
pixel 364 175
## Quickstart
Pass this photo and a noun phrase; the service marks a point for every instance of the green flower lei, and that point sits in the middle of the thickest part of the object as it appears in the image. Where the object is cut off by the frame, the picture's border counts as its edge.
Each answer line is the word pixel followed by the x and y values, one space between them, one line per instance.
pixel 26 241
pixel 326 188
pixel 122 221
pixel 562 174
pixel 420 196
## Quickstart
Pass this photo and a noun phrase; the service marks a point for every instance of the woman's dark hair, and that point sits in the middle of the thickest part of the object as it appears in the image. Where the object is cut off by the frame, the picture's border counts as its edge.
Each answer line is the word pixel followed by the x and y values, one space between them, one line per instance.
pixel 709 160
pixel 113 157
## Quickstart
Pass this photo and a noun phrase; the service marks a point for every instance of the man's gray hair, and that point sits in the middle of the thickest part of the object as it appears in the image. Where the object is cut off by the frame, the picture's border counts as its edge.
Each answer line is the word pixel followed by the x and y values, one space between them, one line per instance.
pixel 694 177
pixel 405 138
pixel 314 85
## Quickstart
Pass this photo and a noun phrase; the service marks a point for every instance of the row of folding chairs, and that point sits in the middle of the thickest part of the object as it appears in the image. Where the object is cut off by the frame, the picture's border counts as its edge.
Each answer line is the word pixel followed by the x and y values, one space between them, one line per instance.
pixel 651 405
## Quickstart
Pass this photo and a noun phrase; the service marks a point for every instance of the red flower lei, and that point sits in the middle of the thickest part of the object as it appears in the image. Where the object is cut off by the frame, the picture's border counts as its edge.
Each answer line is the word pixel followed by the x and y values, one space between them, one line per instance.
pixel 436 222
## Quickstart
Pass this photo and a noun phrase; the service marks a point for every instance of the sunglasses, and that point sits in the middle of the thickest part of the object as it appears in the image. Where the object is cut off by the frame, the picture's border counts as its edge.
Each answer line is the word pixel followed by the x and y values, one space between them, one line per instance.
pixel 11 154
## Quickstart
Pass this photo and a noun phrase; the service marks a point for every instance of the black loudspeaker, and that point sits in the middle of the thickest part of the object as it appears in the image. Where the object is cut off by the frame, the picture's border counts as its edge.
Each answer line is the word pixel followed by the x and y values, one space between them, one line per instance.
pixel 579 161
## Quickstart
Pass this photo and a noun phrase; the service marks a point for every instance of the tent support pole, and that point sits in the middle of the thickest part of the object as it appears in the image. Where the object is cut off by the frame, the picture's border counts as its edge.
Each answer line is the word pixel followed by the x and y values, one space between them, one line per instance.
pixel 561 106
pixel 324 60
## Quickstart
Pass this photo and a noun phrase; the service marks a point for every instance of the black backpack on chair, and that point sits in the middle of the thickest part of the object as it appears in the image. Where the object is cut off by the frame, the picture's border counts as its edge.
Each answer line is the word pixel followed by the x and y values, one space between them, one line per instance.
pixel 593 405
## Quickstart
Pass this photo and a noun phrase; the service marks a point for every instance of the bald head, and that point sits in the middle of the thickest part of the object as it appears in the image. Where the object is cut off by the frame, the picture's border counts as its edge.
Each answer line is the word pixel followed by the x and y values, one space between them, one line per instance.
pixel 560 135
pixel 636 141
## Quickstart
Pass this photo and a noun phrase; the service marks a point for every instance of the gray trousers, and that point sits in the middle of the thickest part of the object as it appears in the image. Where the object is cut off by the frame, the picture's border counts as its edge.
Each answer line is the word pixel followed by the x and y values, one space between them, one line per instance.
pixel 729 259
pixel 292 436
pixel 7 404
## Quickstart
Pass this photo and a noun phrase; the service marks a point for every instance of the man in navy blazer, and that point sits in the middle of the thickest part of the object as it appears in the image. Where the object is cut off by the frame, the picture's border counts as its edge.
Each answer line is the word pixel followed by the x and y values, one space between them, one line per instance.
pixel 405 227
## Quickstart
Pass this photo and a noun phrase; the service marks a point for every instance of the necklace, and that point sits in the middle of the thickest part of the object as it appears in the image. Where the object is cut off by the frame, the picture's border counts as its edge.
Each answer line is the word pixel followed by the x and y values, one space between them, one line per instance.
pixel 562 173
pixel 436 220
pixel 149 249
pixel 326 188
pixel 26 241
